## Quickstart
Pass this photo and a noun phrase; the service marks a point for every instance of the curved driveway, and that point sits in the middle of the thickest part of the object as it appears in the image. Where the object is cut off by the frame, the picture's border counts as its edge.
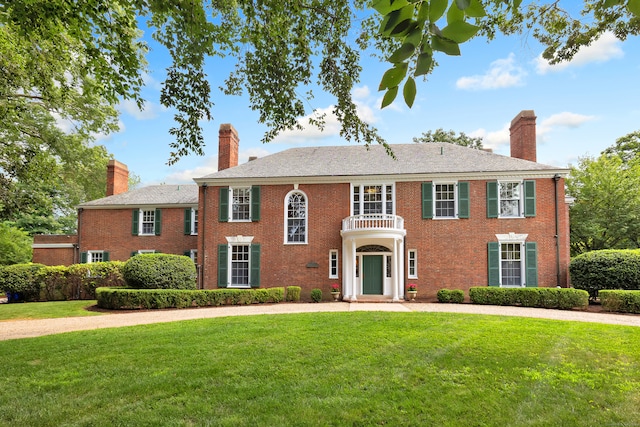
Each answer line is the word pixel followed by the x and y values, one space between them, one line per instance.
pixel 39 327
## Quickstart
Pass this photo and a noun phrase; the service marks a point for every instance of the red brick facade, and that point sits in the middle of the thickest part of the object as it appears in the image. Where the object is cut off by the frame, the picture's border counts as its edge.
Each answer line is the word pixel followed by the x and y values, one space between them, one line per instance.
pixel 523 136
pixel 117 178
pixel 55 249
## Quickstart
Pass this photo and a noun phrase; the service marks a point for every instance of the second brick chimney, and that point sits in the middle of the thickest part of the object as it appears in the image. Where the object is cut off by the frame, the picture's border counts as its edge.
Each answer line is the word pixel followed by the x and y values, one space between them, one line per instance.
pixel 523 136
pixel 228 142
pixel 117 178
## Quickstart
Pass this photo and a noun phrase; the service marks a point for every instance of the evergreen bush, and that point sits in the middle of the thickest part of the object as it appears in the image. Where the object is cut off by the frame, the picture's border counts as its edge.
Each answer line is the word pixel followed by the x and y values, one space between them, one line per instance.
pixel 316 295
pixel 451 296
pixel 293 293
pixel 160 271
pixel 606 269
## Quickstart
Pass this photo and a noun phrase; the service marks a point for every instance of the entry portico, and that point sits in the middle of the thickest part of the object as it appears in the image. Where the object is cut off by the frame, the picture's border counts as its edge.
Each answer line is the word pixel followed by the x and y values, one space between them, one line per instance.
pixel 373 256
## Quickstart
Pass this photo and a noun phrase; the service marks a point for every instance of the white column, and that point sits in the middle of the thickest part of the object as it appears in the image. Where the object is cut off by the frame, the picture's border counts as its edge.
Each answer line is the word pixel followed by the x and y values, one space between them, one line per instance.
pixel 401 268
pixel 353 271
pixel 395 271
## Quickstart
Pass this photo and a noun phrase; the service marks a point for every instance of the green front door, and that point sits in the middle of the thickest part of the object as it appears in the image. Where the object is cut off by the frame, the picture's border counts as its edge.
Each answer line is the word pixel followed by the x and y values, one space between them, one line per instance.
pixel 372 274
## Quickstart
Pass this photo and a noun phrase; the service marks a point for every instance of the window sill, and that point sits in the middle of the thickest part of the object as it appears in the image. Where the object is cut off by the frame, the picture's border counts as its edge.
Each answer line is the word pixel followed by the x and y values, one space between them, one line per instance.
pixel 295 243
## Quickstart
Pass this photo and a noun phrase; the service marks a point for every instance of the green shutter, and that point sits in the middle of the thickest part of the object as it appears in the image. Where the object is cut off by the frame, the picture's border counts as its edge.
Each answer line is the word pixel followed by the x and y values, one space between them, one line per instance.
pixel 83 257
pixel 492 199
pixel 224 204
pixel 255 203
pixel 187 221
pixel 463 199
pixel 529 198
pixel 157 226
pixel 427 200
pixel 531 260
pixel 134 223
pixel 493 262
pixel 223 266
pixel 255 266
pixel 105 256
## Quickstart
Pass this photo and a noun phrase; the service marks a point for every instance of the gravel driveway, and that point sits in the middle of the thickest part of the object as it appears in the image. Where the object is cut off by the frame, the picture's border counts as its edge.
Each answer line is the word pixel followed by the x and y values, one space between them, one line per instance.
pixel 33 328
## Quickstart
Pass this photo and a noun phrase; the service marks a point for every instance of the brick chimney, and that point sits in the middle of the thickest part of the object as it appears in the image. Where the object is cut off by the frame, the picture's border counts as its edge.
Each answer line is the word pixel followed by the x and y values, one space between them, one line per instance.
pixel 523 136
pixel 227 147
pixel 117 178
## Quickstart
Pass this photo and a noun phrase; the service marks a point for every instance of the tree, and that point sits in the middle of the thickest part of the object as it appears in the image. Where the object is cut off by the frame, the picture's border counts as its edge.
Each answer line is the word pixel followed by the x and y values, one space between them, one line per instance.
pixel 440 135
pixel 15 245
pixel 606 210
pixel 626 147
pixel 59 54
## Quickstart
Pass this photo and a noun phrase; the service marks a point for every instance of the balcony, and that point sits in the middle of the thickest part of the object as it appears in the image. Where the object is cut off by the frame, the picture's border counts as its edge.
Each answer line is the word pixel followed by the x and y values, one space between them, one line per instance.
pixel 373 222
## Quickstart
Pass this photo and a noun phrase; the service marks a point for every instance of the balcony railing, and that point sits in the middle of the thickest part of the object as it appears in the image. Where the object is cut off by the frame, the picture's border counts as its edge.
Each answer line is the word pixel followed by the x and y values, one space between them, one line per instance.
pixel 373 222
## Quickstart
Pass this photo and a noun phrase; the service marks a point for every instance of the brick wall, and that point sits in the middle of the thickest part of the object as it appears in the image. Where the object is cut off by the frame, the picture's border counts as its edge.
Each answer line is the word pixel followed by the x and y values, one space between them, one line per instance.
pixel 54 249
pixel 451 253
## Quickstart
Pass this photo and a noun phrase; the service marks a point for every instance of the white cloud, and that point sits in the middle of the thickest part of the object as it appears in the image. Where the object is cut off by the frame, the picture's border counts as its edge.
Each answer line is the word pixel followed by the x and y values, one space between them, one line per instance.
pixel 361 98
pixel 606 48
pixel 502 73
pixel 149 111
pixel 561 120
pixel 150 82
pixel 102 136
pixel 493 139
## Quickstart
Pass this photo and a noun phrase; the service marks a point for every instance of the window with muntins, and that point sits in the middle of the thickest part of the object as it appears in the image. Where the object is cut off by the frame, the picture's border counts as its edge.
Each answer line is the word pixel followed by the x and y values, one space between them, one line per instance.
pixel 95 256
pixel 240 265
pixel 296 217
pixel 510 199
pixel 241 204
pixel 148 220
pixel 511 265
pixel 333 264
pixel 373 199
pixel 413 268
pixel 445 200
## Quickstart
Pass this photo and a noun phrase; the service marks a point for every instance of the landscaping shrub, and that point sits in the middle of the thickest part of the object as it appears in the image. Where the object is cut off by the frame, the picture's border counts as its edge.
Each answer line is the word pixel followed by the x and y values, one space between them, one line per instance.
pixel 80 280
pixel 606 269
pixel 132 299
pixel 451 296
pixel 160 271
pixel 21 282
pixel 293 293
pixel 620 301
pixel 316 295
pixel 560 298
pixel 54 283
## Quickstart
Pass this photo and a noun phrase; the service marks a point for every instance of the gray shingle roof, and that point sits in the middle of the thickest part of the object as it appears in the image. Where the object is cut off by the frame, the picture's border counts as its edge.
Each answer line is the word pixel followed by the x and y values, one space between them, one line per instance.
pixel 356 160
pixel 154 195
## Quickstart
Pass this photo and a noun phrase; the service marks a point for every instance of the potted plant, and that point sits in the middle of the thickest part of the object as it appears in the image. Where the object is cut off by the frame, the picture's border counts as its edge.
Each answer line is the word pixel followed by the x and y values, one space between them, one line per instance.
pixel 412 291
pixel 335 291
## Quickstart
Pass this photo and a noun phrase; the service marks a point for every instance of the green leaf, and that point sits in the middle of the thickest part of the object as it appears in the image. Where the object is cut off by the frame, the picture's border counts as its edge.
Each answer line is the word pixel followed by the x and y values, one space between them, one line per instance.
pixel 393 76
pixel 404 28
pixel 415 36
pixel 389 97
pixel 459 31
pixel 454 14
pixel 444 45
pixel 402 53
pixel 634 7
pixel 396 18
pixel 384 7
pixel 423 12
pixel 475 9
pixel 423 64
pixel 462 4
pixel 610 3
pixel 436 9
pixel 409 92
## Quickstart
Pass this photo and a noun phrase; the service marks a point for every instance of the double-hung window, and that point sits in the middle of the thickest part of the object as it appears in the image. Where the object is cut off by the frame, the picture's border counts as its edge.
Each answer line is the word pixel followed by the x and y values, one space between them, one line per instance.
pixel 296 217
pixel 511 199
pixel 94 256
pixel 513 263
pixel 239 264
pixel 445 200
pixel 146 222
pixel 333 264
pixel 413 261
pixel 373 199
pixel 191 221
pixel 241 204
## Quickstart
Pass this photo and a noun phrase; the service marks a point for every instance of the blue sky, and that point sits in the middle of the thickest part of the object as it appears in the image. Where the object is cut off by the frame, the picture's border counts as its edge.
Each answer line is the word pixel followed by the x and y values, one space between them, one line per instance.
pixel 582 107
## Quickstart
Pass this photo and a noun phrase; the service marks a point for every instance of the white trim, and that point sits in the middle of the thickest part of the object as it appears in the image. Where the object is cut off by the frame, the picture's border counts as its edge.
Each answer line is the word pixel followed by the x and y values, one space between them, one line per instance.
pixel 286 217
pixel 239 187
pixel 230 263
pixel 333 256
pixel 511 238
pixel 455 199
pixel 415 264
pixel 192 219
pixel 238 240
pixel 520 183
pixel 141 221
pixel 373 183
pixel 90 256
pixel 523 269
pixel 52 245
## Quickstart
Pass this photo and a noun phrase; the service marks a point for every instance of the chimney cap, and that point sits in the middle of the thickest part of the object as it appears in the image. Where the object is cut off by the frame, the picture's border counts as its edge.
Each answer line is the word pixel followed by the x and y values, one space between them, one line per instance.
pixel 524 114
pixel 116 163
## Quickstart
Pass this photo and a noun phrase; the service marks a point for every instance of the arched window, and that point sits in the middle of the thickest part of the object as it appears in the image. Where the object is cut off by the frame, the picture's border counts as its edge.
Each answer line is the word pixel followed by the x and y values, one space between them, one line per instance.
pixel 295 205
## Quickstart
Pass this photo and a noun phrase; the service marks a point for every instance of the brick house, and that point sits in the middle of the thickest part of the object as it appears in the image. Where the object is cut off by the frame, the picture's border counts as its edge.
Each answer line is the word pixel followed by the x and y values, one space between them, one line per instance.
pixel 438 215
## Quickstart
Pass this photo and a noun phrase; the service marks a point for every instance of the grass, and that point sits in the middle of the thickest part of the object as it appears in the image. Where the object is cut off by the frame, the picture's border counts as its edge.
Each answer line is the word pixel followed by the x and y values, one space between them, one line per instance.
pixel 355 369
pixel 46 310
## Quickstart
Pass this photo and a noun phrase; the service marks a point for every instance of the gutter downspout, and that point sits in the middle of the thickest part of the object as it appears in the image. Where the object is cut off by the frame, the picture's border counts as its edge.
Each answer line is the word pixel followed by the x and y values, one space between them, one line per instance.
pixel 556 178
pixel 203 227
pixel 76 251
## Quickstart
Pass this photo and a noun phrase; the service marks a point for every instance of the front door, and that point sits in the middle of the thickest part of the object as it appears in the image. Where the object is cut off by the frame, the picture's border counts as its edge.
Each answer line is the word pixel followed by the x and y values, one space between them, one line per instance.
pixel 372 274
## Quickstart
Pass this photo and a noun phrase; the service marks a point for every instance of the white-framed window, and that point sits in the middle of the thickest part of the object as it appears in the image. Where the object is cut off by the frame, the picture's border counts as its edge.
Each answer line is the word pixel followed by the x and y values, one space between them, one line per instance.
pixel 240 204
pixel 147 222
pixel 95 256
pixel 444 200
pixel 240 261
pixel 194 221
pixel 510 199
pixel 372 199
pixel 193 254
pixel 511 264
pixel 333 264
pixel 413 264
pixel 296 211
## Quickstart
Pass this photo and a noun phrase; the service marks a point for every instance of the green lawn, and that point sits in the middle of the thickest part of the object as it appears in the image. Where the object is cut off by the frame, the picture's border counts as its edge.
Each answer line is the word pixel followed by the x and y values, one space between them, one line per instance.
pixel 46 310
pixel 354 369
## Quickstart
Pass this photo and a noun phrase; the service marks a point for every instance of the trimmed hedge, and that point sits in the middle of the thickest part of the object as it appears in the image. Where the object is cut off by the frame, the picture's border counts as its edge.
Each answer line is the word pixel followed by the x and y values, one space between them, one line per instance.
pixel 606 269
pixel 620 301
pixel 316 295
pixel 451 296
pixel 136 299
pixel 560 298
pixel 21 281
pixel 293 293
pixel 160 271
